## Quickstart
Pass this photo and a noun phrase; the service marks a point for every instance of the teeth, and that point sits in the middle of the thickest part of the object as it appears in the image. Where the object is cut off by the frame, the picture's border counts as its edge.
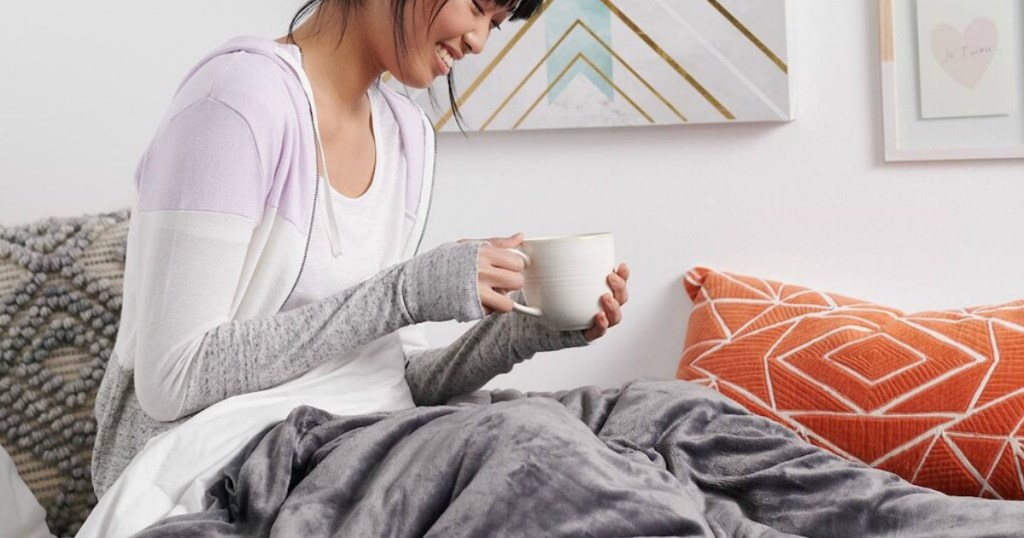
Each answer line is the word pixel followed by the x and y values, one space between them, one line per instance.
pixel 446 57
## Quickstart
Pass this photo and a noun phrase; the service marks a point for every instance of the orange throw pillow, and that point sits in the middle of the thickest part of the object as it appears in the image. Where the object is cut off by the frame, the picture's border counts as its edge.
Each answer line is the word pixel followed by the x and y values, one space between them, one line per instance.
pixel 935 397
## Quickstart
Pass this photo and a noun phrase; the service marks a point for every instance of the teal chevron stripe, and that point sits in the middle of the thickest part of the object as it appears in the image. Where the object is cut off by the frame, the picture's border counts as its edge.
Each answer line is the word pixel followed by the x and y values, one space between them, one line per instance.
pixel 560 15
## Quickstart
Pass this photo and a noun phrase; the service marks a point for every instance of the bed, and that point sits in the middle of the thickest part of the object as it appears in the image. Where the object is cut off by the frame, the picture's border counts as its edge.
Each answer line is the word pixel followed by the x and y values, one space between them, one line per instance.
pixel 653 457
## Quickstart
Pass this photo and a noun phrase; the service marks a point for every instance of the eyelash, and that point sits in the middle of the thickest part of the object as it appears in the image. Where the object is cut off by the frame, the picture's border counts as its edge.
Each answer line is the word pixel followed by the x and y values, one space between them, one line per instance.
pixel 480 10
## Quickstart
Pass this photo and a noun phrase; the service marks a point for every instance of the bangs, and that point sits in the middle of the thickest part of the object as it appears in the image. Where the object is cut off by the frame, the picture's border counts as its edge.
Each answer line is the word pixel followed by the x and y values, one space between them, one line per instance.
pixel 519 9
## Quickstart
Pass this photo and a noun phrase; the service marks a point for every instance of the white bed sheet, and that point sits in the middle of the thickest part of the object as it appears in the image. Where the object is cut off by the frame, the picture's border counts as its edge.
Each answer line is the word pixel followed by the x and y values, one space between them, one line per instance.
pixel 171 474
pixel 20 512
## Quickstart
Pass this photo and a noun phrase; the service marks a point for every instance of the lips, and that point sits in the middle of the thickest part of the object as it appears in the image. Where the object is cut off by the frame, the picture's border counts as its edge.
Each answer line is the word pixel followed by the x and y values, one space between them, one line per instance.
pixel 446 59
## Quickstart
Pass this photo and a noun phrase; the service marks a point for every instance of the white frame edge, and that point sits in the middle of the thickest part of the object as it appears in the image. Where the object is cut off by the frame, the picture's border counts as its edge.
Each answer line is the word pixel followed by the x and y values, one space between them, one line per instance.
pixel 893 151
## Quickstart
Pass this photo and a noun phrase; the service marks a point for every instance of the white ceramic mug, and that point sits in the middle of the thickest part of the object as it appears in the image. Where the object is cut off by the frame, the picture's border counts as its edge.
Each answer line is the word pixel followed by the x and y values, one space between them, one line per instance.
pixel 565 278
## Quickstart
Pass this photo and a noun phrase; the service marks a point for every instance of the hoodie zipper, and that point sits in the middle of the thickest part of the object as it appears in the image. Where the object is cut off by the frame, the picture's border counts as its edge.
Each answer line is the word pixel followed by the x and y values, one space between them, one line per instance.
pixel 316 190
pixel 430 197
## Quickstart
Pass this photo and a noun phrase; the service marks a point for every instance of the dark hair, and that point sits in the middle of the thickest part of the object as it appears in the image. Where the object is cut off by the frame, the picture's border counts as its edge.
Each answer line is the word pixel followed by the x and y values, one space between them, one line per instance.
pixel 519 10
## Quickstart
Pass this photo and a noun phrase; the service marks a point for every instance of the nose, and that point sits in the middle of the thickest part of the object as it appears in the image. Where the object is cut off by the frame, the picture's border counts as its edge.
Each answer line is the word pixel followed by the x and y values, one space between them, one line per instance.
pixel 475 39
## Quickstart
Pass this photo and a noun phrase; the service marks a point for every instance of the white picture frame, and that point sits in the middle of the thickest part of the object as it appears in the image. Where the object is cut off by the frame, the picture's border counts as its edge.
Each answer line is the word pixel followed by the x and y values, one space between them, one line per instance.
pixel 908 136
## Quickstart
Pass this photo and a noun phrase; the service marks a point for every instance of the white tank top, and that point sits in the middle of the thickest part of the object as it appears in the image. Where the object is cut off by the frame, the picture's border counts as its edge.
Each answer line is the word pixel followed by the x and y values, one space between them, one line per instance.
pixel 371 231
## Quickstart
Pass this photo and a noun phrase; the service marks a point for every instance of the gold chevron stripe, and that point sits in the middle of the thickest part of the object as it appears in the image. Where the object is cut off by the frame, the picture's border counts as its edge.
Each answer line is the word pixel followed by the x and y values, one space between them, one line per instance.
pixel 494 62
pixel 631 70
pixel 628 22
pixel 750 35
pixel 551 51
pixel 617 88
pixel 530 74
pixel 671 61
pixel 579 56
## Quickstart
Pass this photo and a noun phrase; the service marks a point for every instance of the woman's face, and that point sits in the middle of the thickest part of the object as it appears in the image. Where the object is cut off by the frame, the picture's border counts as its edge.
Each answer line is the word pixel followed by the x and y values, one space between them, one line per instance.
pixel 461 27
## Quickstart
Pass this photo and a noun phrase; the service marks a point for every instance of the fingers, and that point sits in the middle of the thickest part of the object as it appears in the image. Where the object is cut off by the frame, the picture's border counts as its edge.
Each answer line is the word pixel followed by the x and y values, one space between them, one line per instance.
pixel 617 283
pixel 599 329
pixel 609 317
pixel 493 301
pixel 612 310
pixel 611 304
pixel 511 241
pixel 499 272
pixel 496 278
pixel 623 271
pixel 499 257
pixel 500 269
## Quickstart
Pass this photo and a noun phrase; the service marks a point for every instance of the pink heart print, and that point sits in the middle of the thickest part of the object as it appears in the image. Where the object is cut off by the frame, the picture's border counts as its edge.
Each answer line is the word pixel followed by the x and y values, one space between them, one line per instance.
pixel 966 56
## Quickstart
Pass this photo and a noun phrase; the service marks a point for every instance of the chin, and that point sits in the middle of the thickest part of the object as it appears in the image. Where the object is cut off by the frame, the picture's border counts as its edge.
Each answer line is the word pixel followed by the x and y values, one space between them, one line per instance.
pixel 419 79
pixel 418 83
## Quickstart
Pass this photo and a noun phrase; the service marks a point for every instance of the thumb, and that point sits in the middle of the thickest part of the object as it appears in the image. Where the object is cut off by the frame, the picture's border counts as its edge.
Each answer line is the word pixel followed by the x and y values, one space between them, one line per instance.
pixel 511 241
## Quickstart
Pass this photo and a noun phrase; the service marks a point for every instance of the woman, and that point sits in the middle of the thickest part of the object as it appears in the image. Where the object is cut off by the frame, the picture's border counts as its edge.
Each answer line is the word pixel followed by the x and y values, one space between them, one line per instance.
pixel 273 250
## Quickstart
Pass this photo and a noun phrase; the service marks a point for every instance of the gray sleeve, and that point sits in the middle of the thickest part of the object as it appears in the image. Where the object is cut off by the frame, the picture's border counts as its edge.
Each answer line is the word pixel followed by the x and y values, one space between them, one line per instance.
pixel 491 347
pixel 251 355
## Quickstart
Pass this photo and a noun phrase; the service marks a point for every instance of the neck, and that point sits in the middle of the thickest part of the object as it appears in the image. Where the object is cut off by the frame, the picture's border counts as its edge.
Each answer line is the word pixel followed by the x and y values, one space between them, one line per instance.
pixel 339 73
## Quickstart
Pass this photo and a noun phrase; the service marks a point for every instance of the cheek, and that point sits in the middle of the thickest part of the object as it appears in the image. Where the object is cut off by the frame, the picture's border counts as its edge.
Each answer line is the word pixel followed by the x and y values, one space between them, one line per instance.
pixel 453 21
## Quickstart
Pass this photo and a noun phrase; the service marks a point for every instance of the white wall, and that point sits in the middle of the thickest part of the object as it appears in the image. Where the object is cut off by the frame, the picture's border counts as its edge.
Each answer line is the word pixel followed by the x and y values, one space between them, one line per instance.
pixel 84 84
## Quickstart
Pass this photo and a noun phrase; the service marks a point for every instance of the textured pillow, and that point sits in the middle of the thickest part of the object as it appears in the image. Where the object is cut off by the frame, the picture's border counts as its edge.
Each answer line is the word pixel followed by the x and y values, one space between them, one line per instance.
pixel 60 303
pixel 935 397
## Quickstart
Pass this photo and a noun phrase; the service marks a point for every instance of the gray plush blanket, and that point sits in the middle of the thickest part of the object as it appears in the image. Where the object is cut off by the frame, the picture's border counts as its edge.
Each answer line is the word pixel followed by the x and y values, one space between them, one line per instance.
pixel 654 458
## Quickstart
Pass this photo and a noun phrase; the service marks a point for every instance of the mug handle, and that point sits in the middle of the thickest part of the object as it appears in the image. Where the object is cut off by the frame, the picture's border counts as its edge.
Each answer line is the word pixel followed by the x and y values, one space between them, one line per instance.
pixel 531 310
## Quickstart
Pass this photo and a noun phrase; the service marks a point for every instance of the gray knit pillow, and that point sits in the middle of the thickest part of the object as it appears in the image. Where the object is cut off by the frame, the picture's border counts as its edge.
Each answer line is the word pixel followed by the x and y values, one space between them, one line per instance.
pixel 60 304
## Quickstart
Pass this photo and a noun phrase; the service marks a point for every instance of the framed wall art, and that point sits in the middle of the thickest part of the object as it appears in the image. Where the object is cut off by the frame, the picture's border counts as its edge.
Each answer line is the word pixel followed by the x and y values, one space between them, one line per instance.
pixel 606 63
pixel 952 79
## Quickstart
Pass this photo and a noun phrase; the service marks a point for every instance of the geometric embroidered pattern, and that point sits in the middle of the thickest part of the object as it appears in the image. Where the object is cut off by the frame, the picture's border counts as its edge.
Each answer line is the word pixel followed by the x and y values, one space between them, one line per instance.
pixel 935 397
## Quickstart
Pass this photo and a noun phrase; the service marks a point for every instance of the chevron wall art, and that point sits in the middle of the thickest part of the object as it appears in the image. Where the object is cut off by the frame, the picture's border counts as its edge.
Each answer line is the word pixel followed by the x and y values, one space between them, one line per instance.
pixel 606 63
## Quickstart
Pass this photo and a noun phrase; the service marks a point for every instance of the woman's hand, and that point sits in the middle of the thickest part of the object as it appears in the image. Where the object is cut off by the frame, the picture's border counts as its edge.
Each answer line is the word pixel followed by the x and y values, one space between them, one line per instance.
pixel 611 303
pixel 499 272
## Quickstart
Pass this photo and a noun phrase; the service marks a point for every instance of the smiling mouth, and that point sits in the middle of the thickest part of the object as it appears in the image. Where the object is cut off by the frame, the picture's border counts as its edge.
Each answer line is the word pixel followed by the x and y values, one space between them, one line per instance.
pixel 446 56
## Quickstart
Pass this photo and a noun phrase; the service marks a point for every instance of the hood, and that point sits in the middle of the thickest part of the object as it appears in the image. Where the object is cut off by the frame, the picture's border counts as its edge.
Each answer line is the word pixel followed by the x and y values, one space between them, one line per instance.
pixel 415 129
